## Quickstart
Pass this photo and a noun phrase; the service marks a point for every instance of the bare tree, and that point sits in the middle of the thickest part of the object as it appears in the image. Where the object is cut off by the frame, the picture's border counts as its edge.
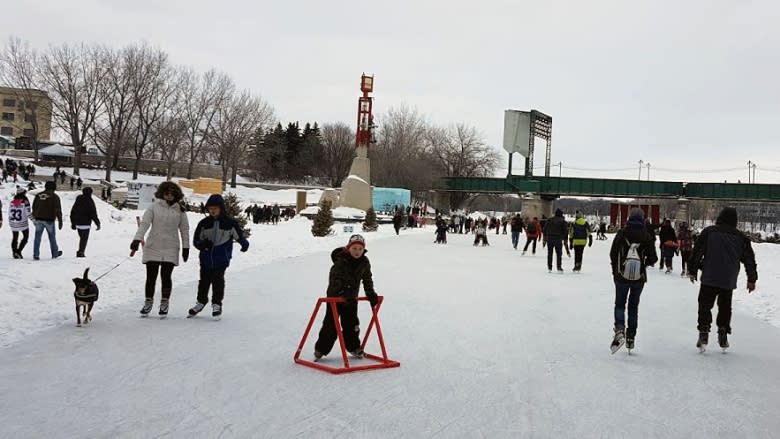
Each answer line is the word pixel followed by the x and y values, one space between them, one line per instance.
pixel 337 141
pixel 237 122
pixel 461 151
pixel 169 136
pixel 19 70
pixel 73 75
pixel 398 158
pixel 203 96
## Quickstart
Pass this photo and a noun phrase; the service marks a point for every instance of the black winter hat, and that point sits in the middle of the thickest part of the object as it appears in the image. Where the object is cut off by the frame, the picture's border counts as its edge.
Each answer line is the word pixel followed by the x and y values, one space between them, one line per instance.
pixel 559 212
pixel 727 217
pixel 50 186
pixel 87 191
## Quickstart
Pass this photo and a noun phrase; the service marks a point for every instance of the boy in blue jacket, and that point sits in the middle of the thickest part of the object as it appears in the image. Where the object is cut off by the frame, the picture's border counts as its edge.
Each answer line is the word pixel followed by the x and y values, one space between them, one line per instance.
pixel 214 238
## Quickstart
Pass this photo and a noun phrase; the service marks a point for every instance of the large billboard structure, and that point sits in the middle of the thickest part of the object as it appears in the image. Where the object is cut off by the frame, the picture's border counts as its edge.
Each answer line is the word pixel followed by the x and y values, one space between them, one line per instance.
pixel 520 130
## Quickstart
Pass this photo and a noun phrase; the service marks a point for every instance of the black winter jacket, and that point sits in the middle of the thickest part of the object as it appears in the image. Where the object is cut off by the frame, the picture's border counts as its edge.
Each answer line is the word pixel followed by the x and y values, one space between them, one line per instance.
pixel 84 211
pixel 667 234
pixel 634 233
pixel 347 273
pixel 718 252
pixel 556 227
pixel 517 225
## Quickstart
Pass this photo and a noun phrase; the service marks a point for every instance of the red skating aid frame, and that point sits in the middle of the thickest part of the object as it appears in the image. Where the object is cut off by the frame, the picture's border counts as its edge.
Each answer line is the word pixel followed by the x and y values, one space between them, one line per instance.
pixel 381 362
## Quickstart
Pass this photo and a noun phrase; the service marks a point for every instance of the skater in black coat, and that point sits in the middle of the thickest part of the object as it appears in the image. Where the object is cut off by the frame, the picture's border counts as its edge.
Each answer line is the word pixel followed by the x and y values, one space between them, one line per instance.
pixel 717 253
pixel 350 268
pixel 82 215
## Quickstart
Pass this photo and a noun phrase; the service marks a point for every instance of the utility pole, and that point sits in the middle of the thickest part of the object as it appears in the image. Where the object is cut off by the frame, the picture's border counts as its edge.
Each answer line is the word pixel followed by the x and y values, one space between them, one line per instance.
pixel 754 173
pixel 648 171
pixel 750 165
pixel 640 169
pixel 560 169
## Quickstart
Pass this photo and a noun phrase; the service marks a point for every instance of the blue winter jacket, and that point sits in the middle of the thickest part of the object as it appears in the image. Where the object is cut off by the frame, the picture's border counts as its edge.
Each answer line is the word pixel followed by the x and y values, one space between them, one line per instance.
pixel 214 238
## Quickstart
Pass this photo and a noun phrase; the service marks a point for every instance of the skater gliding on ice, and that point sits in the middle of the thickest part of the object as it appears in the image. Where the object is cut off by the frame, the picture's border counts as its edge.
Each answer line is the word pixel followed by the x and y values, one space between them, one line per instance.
pixel 555 232
pixel 214 237
pixel 170 230
pixel 717 253
pixel 579 237
pixel 633 250
pixel 350 268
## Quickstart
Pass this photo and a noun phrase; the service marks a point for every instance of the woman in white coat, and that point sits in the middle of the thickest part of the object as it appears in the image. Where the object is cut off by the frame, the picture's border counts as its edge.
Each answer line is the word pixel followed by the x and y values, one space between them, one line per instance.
pixel 170 230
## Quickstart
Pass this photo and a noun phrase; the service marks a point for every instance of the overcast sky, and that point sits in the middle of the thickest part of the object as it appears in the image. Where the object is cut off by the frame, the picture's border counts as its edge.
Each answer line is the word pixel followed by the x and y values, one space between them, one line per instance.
pixel 680 84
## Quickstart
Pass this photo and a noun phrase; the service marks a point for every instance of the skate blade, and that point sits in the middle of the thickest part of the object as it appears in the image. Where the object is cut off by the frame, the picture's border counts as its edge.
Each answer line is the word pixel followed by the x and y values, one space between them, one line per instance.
pixel 702 349
pixel 616 348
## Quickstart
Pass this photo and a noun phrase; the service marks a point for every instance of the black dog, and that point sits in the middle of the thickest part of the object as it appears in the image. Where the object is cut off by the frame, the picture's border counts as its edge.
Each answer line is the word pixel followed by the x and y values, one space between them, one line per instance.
pixel 86 295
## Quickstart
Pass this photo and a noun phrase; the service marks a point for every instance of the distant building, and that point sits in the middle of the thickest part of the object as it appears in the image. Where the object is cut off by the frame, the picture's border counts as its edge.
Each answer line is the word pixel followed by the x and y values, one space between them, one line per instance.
pixel 19 108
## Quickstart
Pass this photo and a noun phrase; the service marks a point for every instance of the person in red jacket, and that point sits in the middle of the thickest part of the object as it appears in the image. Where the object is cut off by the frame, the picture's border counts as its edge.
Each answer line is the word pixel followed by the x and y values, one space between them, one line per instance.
pixel 533 231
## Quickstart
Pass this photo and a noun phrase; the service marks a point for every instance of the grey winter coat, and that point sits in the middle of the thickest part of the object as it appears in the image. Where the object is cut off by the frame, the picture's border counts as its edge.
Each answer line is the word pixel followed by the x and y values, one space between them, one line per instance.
pixel 170 231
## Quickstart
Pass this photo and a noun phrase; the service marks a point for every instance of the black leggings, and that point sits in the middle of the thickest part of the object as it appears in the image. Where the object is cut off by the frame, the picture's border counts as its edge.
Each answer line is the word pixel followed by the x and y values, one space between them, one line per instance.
pixel 25 236
pixel 165 269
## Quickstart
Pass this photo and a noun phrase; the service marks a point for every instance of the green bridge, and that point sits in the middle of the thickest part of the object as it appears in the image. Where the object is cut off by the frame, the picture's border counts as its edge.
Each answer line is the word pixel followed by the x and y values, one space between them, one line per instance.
pixel 554 187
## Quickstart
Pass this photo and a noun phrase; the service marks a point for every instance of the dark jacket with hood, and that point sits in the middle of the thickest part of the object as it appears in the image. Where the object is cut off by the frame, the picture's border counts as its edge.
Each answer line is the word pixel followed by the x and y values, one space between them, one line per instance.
pixel 556 227
pixel 667 234
pixel 214 237
pixel 84 212
pixel 46 205
pixel 347 273
pixel 719 250
pixel 634 232
pixel 517 224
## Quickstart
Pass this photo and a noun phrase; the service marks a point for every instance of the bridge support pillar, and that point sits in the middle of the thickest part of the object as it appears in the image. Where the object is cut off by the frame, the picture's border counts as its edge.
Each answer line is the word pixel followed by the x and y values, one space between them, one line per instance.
pixel 683 214
pixel 537 207
pixel 441 201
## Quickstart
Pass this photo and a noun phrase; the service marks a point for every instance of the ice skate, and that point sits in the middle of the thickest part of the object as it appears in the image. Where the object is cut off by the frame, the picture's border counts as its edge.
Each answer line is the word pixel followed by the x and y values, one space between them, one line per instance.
pixel 147 308
pixel 723 339
pixel 196 309
pixel 216 311
pixel 618 341
pixel 163 313
pixel 317 355
pixel 702 343
pixel 357 353
pixel 630 344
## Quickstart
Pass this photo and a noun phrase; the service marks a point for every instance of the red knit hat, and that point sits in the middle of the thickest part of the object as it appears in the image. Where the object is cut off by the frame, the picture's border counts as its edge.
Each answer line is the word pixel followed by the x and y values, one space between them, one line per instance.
pixel 356 239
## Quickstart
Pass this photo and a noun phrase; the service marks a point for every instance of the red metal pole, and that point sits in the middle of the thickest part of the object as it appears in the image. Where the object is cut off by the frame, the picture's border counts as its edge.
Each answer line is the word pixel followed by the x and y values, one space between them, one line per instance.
pixel 308 329
pixel 335 311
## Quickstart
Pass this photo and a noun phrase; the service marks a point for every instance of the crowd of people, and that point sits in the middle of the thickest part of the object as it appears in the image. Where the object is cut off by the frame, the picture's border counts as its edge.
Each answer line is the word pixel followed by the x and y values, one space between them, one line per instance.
pixel 267 214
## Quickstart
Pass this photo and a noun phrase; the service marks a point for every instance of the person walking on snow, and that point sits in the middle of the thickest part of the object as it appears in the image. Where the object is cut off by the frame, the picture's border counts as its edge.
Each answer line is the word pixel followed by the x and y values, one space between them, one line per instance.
pixel 579 236
pixel 480 233
pixel 214 237
pixel 684 246
pixel 350 268
pixel 82 215
pixel 532 232
pixel 633 250
pixel 517 227
pixel 555 232
pixel 717 253
pixel 19 215
pixel 170 229
pixel 47 208
pixel 668 239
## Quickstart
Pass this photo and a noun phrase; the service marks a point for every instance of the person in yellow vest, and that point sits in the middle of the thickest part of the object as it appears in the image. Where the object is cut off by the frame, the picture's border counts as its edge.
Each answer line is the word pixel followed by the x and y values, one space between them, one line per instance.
pixel 579 237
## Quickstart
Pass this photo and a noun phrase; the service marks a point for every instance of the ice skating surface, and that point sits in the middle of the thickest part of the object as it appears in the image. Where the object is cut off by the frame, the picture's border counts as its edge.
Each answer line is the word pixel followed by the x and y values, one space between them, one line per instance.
pixel 490 345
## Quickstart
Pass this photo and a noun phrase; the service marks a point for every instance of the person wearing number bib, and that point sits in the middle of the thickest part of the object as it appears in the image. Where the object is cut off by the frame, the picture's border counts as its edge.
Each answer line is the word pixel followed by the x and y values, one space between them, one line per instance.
pixel 19 221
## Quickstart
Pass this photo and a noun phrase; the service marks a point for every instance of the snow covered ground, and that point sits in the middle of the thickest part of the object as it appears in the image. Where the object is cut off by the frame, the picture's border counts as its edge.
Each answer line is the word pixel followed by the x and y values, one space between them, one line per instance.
pixel 490 345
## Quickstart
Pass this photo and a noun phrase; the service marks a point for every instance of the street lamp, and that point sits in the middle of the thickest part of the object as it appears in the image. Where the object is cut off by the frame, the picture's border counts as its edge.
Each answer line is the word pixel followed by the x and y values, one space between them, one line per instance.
pixel 648 171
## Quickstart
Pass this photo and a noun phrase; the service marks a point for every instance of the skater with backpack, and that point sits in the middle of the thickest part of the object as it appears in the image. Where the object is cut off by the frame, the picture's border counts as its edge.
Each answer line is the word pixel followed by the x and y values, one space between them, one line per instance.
pixel 350 268
pixel 532 232
pixel 633 250
pixel 214 237
pixel 579 236
pixel 717 253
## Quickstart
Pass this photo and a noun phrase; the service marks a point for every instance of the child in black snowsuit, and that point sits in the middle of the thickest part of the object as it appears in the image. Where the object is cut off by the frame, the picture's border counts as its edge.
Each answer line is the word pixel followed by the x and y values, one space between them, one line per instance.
pixel 350 267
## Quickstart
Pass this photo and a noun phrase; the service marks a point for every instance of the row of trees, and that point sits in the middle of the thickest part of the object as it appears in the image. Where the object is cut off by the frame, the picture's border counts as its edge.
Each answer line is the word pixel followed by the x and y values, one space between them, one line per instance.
pixel 133 101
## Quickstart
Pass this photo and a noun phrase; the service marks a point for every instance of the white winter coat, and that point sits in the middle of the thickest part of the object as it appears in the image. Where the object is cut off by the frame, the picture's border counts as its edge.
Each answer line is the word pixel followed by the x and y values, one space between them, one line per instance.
pixel 169 225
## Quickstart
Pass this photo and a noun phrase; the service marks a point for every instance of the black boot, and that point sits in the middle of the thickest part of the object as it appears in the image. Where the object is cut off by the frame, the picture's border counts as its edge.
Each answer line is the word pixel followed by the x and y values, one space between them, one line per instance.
pixel 703 339
pixel 723 338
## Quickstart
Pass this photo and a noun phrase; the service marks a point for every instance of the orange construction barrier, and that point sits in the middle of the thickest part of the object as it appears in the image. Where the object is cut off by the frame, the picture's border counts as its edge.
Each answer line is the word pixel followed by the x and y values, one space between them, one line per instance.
pixel 380 362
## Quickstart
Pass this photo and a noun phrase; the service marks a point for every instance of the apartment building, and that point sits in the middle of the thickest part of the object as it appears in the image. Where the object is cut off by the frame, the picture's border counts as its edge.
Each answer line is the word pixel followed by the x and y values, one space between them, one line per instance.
pixel 19 108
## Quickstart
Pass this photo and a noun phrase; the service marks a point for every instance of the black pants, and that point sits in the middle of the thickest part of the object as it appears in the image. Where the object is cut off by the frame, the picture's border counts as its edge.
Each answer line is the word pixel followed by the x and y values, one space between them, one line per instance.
pixel 661 253
pixel 165 269
pixel 214 278
pixel 83 238
pixel 528 241
pixel 481 239
pixel 25 237
pixel 686 254
pixel 707 297
pixel 668 256
pixel 578 251
pixel 350 326
pixel 554 243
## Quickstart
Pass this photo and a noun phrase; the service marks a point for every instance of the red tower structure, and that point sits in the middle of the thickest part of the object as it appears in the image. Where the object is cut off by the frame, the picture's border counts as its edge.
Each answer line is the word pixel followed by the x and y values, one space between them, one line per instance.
pixel 365 120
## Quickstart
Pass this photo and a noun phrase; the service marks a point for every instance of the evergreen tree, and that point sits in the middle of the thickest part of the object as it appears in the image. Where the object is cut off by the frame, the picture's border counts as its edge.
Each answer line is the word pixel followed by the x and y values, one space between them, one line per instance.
pixel 323 221
pixel 370 225
pixel 234 211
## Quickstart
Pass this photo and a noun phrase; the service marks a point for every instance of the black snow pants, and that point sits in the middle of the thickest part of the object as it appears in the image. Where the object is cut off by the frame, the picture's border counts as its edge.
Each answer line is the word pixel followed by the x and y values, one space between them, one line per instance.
pixel 214 278
pixel 83 239
pixel 528 241
pixel 578 251
pixel 350 326
pixel 166 270
pixel 707 297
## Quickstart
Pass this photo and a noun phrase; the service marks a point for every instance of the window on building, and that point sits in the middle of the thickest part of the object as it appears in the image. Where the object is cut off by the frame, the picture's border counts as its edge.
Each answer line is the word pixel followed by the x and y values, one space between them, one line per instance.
pixel 8 116
pixel 28 118
pixel 6 131
pixel 28 132
pixel 9 102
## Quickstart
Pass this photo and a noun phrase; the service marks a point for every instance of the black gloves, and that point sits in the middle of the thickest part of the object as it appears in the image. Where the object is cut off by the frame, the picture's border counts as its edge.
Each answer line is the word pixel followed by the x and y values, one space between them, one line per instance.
pixel 206 245
pixel 60 224
pixel 135 244
pixel 373 299
pixel 72 226
pixel 244 248
pixel 185 254
pixel 590 240
pixel 98 227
